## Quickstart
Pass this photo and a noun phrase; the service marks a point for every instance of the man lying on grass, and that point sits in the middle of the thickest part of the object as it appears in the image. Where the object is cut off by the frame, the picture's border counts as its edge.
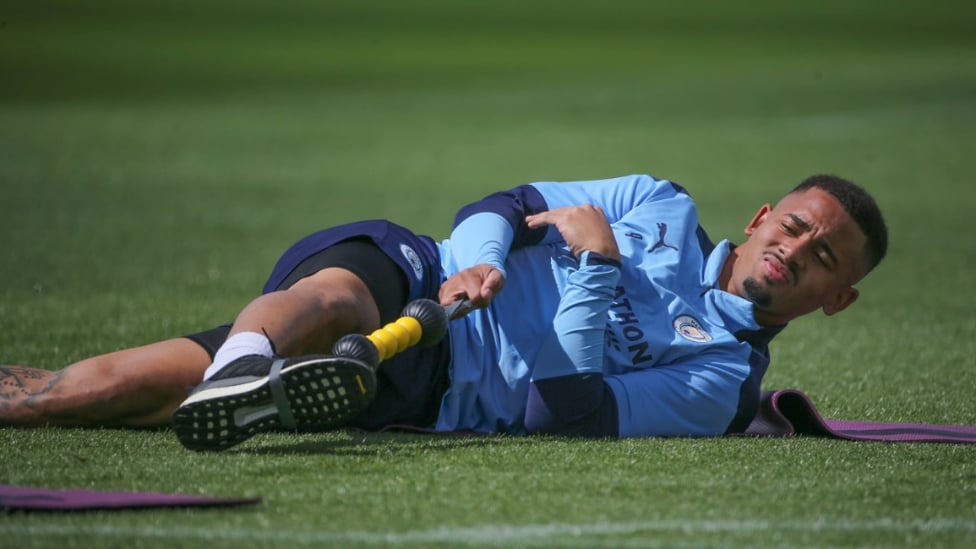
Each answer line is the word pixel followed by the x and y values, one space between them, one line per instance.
pixel 602 309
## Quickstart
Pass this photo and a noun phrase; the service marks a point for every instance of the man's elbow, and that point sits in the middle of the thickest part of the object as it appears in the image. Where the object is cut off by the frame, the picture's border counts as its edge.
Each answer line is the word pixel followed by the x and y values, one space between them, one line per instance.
pixel 572 406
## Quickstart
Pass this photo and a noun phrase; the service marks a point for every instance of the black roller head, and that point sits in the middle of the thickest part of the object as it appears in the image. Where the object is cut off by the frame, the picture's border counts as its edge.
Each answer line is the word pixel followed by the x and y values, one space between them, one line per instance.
pixel 432 319
pixel 359 347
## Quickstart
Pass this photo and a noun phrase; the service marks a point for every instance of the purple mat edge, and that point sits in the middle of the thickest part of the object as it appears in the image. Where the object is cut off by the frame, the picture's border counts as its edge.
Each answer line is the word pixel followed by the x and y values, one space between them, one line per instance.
pixel 789 412
pixel 25 498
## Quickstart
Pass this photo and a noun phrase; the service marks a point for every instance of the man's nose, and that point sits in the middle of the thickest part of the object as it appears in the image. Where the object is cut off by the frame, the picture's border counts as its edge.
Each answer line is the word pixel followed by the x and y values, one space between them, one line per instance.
pixel 794 251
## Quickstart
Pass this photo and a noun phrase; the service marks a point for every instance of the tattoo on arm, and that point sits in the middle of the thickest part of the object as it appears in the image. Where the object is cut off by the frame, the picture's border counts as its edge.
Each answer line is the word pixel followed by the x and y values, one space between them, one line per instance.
pixel 19 385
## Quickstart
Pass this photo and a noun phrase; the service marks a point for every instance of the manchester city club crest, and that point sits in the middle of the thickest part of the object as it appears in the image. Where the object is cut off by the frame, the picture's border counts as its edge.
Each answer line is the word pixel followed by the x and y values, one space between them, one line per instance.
pixel 414 260
pixel 691 329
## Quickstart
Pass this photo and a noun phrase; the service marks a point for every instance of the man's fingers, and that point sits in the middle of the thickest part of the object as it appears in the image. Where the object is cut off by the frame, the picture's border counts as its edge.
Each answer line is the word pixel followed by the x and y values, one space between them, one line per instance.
pixel 535 221
pixel 479 285
pixel 449 295
pixel 492 285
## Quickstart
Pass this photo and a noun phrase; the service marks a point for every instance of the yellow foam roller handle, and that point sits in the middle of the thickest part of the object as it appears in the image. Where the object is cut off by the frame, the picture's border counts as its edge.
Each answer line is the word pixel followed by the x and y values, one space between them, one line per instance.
pixel 413 328
pixel 385 343
pixel 396 336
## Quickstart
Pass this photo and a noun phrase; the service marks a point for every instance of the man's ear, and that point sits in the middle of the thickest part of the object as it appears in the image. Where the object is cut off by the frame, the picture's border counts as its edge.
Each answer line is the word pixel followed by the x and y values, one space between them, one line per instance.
pixel 843 299
pixel 758 219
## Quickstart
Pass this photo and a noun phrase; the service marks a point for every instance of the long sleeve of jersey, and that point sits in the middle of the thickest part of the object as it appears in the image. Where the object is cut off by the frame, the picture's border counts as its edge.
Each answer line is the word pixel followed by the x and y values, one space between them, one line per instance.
pixel 568 394
pixel 575 345
pixel 487 230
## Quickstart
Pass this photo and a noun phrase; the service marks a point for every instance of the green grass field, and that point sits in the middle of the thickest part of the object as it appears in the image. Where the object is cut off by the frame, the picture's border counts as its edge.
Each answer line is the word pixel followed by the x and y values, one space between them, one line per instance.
pixel 156 157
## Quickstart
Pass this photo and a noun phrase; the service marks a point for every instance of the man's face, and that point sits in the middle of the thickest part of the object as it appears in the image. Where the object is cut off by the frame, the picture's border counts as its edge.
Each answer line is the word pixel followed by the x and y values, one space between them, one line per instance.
pixel 805 254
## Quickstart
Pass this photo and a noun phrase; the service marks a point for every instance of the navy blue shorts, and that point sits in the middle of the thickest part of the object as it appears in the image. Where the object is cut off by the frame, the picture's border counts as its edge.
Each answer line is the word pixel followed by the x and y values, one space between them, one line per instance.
pixel 397 266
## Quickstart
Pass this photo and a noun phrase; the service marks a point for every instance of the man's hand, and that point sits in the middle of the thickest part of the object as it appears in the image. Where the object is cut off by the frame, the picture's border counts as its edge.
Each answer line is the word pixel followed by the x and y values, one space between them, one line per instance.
pixel 479 284
pixel 584 227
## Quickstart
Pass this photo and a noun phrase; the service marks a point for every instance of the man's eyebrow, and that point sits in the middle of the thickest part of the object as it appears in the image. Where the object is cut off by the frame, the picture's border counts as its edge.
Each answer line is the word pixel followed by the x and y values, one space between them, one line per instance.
pixel 801 223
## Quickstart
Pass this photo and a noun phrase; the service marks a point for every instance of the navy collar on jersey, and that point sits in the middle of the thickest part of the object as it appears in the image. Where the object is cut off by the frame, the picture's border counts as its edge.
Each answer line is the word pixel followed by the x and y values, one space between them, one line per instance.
pixel 737 312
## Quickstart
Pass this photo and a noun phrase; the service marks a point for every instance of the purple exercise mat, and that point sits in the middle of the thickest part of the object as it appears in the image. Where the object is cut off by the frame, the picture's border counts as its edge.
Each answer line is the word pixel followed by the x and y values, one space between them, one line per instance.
pixel 788 412
pixel 46 499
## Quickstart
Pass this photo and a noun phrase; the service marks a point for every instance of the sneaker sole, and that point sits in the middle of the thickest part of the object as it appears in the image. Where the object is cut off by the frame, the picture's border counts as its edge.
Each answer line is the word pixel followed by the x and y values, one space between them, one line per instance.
pixel 324 393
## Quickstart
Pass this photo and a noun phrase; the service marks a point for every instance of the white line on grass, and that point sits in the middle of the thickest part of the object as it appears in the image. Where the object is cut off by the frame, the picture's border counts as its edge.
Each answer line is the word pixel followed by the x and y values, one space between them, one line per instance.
pixel 497 534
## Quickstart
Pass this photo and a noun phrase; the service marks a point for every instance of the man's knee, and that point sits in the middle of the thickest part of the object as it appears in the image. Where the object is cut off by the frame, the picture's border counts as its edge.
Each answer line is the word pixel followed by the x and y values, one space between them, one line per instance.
pixel 344 298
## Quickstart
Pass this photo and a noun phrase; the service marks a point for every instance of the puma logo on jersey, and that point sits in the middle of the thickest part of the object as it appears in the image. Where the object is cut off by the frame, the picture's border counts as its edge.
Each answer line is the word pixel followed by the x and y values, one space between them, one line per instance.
pixel 662 232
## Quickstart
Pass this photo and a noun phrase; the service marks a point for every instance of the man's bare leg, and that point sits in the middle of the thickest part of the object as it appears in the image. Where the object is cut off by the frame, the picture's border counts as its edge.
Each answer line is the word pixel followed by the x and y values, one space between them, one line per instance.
pixel 138 387
pixel 142 386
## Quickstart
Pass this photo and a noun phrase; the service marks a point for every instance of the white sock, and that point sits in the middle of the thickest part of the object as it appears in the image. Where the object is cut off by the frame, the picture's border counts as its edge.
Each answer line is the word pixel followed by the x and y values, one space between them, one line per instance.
pixel 236 346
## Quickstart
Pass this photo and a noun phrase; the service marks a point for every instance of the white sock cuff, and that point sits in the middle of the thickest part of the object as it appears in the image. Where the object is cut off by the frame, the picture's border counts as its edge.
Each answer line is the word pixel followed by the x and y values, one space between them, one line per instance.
pixel 236 346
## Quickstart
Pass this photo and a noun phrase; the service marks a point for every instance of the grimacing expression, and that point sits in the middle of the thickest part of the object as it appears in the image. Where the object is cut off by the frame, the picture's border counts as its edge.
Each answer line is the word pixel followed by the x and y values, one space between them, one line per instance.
pixel 804 254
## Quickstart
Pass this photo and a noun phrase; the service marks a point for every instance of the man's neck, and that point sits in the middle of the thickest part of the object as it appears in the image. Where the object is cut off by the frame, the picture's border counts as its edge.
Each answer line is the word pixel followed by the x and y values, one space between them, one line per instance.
pixel 725 277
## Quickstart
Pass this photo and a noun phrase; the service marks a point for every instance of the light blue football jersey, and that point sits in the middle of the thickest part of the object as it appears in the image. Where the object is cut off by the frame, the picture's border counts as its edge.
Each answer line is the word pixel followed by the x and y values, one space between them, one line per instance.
pixel 681 356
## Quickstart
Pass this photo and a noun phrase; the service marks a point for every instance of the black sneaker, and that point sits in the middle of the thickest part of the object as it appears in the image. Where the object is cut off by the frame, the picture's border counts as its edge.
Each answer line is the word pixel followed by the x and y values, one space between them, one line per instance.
pixel 256 394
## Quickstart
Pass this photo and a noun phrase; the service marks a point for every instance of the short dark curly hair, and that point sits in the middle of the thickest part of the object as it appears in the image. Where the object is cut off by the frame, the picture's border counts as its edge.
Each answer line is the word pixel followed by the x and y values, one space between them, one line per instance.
pixel 861 206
